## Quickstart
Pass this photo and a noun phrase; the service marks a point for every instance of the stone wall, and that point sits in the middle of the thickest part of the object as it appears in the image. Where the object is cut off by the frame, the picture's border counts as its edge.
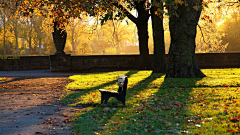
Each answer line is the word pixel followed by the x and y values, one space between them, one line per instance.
pixel 218 60
pixel 24 63
pixel 105 62
pixel 97 63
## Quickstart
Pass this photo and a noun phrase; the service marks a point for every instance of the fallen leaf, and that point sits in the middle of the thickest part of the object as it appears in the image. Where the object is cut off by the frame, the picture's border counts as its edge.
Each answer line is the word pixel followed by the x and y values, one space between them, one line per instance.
pixel 234 120
pixel 38 133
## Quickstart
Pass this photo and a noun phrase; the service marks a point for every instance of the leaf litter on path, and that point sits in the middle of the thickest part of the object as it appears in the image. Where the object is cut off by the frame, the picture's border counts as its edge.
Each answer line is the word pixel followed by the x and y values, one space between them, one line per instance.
pixel 33 107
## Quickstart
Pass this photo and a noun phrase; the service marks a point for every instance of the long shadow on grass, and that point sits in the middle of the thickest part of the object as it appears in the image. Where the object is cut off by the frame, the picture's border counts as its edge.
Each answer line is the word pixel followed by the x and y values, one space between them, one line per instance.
pixel 97 118
pixel 28 77
pixel 162 111
pixel 80 92
pixel 165 112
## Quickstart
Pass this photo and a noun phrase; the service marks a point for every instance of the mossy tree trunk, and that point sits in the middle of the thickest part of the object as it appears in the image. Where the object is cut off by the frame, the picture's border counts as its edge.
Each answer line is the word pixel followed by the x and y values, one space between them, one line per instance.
pixel 182 61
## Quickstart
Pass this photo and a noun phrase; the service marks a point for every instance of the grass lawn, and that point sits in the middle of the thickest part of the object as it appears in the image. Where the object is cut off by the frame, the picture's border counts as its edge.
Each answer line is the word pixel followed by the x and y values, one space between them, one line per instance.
pixel 156 106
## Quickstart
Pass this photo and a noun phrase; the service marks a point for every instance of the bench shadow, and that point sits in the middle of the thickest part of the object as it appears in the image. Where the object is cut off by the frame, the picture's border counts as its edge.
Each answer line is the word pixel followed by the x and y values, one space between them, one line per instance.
pixel 80 92
pixel 113 104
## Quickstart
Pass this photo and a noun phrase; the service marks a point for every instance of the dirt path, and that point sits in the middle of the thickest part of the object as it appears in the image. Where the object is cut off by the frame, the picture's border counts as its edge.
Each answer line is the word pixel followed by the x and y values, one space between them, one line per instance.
pixel 31 105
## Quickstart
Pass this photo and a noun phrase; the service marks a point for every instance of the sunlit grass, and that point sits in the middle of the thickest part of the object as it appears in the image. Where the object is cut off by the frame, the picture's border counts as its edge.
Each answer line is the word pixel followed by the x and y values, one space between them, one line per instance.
pixel 157 106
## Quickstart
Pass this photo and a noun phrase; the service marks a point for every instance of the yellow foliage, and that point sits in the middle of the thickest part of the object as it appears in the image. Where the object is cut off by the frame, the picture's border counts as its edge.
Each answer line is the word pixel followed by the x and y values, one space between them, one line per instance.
pixel 111 50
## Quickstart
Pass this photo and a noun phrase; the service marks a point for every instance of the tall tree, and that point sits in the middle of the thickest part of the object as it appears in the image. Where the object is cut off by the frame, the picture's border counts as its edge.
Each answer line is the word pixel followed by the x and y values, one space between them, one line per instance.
pixel 3 18
pixel 160 65
pixel 141 22
pixel 37 26
pixel 182 25
pixel 76 29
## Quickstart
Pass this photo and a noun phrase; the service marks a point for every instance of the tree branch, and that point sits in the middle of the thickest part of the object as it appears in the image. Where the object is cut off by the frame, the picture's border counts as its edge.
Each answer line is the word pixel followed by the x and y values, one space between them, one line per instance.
pixel 202 34
pixel 127 13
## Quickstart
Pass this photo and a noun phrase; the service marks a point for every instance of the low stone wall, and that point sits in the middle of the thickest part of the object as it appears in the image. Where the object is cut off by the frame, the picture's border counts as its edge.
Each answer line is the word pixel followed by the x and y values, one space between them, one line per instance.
pixel 105 62
pixel 218 60
pixel 97 63
pixel 24 63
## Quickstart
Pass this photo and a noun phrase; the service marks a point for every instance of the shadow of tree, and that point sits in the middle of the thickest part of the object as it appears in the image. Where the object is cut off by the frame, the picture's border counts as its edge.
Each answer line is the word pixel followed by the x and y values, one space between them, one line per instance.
pixel 27 77
pixel 154 105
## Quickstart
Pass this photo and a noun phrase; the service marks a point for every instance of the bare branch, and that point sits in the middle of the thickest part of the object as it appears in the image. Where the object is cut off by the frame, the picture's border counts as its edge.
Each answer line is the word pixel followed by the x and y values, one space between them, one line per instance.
pixel 202 34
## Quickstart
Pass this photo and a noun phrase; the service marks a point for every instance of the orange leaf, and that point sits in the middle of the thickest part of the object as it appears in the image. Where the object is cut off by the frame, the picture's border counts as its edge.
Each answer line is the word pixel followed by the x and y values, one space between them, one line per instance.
pixel 112 129
pixel 234 120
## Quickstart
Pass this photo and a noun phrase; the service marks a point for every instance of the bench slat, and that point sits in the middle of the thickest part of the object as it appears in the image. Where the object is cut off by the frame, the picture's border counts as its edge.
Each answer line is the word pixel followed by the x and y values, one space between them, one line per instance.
pixel 103 90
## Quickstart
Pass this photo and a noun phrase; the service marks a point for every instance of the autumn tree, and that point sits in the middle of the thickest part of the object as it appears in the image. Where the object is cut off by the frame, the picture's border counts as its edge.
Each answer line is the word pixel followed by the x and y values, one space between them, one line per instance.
pixel 37 26
pixel 3 13
pixel 113 36
pixel 182 24
pixel 78 36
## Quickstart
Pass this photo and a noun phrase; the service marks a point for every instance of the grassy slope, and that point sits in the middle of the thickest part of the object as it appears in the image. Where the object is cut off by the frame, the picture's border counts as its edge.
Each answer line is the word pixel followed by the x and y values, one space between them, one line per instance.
pixel 154 105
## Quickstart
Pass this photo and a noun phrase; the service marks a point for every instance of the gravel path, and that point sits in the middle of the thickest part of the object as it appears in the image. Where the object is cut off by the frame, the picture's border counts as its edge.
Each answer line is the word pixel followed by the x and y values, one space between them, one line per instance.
pixel 31 105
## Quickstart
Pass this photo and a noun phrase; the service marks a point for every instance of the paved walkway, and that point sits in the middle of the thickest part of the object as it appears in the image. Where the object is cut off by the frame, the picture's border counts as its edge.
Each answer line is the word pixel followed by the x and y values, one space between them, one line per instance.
pixel 24 109
pixel 36 73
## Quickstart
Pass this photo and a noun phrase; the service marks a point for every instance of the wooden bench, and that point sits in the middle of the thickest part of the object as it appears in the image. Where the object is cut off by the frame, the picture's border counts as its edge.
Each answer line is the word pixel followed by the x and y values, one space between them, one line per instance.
pixel 120 94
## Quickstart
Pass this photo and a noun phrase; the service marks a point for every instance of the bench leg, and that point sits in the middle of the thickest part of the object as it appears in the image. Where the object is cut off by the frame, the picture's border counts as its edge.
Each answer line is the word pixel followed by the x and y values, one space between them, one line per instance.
pixel 102 98
pixel 123 100
pixel 106 99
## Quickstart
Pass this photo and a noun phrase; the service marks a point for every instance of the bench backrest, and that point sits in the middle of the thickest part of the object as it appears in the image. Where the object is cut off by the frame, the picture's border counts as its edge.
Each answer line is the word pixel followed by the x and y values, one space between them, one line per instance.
pixel 122 90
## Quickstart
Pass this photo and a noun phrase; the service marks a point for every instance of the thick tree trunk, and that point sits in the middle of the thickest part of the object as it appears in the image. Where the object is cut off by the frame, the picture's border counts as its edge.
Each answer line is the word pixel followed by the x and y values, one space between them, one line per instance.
pixel 142 26
pixel 182 61
pixel 143 45
pixel 160 65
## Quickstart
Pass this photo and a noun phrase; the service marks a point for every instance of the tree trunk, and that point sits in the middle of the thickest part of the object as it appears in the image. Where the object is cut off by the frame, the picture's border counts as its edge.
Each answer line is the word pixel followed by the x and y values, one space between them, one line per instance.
pixel 160 65
pixel 30 44
pixel 4 33
pixel 143 45
pixel 31 51
pixel 73 44
pixel 142 26
pixel 40 47
pixel 182 61
pixel 16 36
